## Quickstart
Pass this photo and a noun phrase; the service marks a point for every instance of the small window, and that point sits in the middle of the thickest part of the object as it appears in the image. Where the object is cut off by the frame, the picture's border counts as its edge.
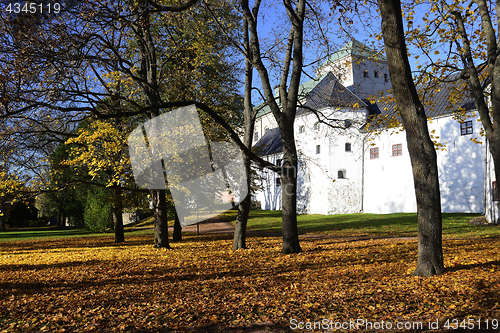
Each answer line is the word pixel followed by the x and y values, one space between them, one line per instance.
pixel 347 123
pixel 386 77
pixel 316 126
pixel 302 129
pixel 256 136
pixel 397 150
pixel 373 153
pixel 375 73
pixel 466 127
pixel 278 181
pixel 278 161
pixel 341 174
pixel 347 146
pixel 266 130
pixel 365 74
pixel 494 191
pixel 318 149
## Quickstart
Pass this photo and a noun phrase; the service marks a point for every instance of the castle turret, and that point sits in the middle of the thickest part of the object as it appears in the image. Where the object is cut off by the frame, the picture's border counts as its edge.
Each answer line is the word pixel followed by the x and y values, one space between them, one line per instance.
pixel 359 68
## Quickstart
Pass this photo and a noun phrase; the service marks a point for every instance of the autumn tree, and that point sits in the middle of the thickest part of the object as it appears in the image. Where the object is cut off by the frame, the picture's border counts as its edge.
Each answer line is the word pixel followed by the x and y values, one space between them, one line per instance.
pixel 80 75
pixel 285 109
pixel 420 146
pixel 457 42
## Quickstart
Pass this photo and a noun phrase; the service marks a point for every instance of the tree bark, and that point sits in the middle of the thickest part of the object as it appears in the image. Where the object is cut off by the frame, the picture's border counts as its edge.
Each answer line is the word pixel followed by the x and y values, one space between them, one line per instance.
pixel 3 216
pixel 289 192
pixel 118 216
pixel 149 76
pixel 422 153
pixel 160 214
pixel 239 241
pixel 177 237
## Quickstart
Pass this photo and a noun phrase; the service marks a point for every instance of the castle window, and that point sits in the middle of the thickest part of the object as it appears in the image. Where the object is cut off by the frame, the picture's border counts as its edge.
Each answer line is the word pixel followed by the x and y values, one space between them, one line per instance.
pixel 278 181
pixel 302 129
pixel 386 77
pixel 316 126
pixel 341 174
pixel 375 73
pixel 266 130
pixel 365 73
pixel 278 161
pixel 256 136
pixel 347 123
pixel 373 153
pixel 347 146
pixel 466 127
pixel 397 150
pixel 318 149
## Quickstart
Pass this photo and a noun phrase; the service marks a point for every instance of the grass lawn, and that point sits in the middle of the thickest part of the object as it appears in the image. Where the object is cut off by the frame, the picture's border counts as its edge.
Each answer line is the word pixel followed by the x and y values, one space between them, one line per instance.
pixel 455 225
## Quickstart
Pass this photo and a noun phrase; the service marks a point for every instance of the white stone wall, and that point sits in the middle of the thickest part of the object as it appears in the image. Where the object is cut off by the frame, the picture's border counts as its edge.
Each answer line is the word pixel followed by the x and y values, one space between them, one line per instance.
pixel 320 190
pixel 388 180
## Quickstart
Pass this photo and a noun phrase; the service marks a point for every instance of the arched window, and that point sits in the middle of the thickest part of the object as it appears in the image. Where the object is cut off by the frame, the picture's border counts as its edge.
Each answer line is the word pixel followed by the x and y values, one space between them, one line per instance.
pixel 302 129
pixel 347 146
pixel 347 123
pixel 316 126
pixel 341 174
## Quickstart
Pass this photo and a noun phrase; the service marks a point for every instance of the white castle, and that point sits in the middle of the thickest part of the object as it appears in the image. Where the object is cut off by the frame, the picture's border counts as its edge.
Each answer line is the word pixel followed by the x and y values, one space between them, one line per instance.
pixel 349 169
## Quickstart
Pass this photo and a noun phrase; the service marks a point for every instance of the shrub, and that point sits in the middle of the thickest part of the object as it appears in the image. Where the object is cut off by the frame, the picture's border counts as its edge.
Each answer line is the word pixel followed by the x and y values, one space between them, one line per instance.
pixel 98 214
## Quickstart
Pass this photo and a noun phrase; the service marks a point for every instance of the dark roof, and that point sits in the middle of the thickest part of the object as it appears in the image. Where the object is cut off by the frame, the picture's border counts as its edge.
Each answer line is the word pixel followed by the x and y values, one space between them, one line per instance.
pixel 330 93
pixel 270 143
pixel 304 90
pixel 435 99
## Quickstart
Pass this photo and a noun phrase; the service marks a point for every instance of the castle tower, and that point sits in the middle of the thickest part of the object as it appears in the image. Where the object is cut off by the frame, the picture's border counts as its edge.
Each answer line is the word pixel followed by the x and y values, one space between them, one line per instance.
pixel 359 68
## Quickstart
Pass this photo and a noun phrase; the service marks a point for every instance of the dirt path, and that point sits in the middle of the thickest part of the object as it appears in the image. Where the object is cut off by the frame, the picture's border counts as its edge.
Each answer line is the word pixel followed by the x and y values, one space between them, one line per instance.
pixel 222 227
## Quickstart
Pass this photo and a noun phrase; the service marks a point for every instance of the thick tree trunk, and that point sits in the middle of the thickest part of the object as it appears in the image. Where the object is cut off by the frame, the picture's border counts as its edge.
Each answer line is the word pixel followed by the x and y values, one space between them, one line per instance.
pixel 160 214
pixel 495 154
pixel 60 215
pixel 3 215
pixel 240 230
pixel 118 216
pixel 177 237
pixel 289 192
pixel 422 153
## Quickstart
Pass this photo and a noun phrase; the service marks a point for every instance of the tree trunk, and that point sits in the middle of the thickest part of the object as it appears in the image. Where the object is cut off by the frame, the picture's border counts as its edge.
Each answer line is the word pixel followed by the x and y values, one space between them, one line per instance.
pixel 177 237
pixel 160 214
pixel 421 149
pixel 289 192
pixel 495 154
pixel 60 215
pixel 3 216
pixel 240 229
pixel 118 216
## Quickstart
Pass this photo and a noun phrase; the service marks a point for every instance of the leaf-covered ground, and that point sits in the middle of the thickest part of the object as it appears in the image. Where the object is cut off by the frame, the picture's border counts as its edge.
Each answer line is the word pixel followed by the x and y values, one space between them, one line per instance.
pixel 91 285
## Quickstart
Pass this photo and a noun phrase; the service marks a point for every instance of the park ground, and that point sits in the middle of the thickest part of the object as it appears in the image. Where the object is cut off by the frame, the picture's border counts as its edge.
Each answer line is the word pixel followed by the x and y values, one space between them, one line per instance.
pixel 353 267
